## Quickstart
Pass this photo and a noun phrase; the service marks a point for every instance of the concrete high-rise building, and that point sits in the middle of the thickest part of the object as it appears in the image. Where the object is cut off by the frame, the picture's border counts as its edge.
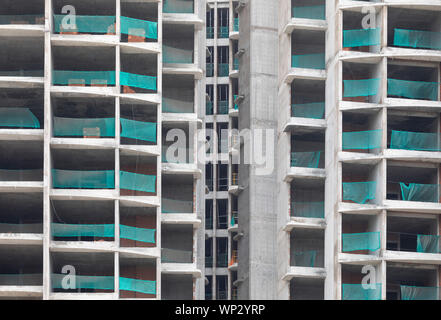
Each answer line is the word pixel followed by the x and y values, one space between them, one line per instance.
pixel 93 97
pixel 101 175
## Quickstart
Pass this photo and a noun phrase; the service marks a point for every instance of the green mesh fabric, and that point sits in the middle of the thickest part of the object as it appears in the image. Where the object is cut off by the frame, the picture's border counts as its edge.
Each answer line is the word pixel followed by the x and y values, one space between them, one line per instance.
pixel 236 107
pixel 309 61
pixel 222 107
pixel 24 279
pixel 137 181
pixel 137 285
pixel 305 159
pixel 175 105
pixel 22 19
pixel 83 282
pixel 176 55
pixel 67 127
pixel 139 28
pixel 359 192
pixel 313 110
pixel 176 255
pixel 304 258
pixel 77 179
pixel 419 293
pixel 363 140
pixel 18 118
pixel 209 107
pixel 312 209
pixel 417 39
pixel 82 230
pixel 21 228
pixel 210 32
pixel 223 32
pixel 223 69
pixel 235 64
pixel 419 192
pixel 428 243
pixel 83 77
pixel 421 141
pixel 357 292
pixel 236 25
pixel 413 89
pixel 176 206
pixel 310 12
pixel 137 234
pixel 210 69
pixel 360 88
pixel 84 24
pixel 178 6
pixel 139 130
pixel 361 241
pixel 137 81
pixel 361 37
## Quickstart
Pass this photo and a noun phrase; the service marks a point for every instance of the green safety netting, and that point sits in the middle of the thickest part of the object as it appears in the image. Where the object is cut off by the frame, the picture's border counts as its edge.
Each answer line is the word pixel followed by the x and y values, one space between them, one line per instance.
pixel 84 24
pixel 361 37
pixel 304 258
pixel 137 181
pixel 210 69
pixel 223 32
pixel 312 209
pixel 176 105
pixel 210 32
pixel 222 107
pixel 23 279
pixel 22 19
pixel 21 174
pixel 417 39
pixel 419 192
pixel 360 88
pixel 359 192
pixel 79 179
pixel 178 6
pixel 310 61
pixel 364 140
pixel 236 107
pixel 361 292
pixel 361 241
pixel 137 285
pixel 406 140
pixel 82 230
pixel 209 107
pixel 139 28
pixel 176 55
pixel 137 234
pixel 419 293
pixel 176 206
pixel 223 69
pixel 413 89
pixel 139 130
pixel 236 25
pixel 176 255
pixel 83 77
pixel 18 118
pixel 428 243
pixel 21 228
pixel 305 159
pixel 65 127
pixel 235 64
pixel 233 221
pixel 82 282
pixel 310 12
pixel 313 110
pixel 137 81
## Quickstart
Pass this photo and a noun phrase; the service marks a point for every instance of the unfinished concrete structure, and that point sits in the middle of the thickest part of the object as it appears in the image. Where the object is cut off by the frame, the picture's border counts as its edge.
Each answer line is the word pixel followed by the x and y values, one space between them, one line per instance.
pixel 92 95
pixel 352 89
